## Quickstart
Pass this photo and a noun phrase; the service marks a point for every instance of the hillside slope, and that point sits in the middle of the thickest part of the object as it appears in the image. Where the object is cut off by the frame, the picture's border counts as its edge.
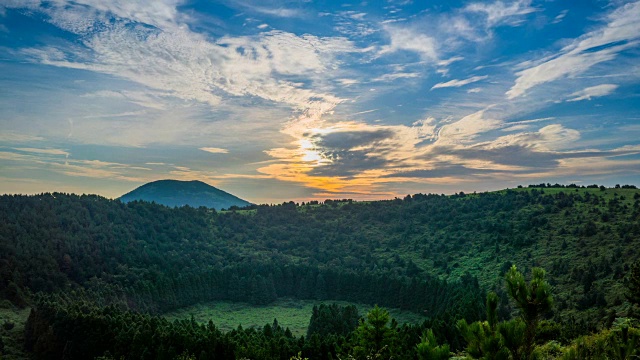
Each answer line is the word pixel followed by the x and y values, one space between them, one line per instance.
pixel 179 193
pixel 398 253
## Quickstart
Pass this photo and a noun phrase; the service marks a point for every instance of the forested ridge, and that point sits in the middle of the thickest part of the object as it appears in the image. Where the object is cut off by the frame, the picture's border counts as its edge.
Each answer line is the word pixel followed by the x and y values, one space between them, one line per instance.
pixel 433 254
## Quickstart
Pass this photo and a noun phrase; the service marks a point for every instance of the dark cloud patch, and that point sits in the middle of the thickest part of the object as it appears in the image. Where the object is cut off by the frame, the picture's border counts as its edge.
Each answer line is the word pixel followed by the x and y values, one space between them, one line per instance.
pixel 348 163
pixel 345 140
pixel 531 160
pixel 517 155
pixel 509 155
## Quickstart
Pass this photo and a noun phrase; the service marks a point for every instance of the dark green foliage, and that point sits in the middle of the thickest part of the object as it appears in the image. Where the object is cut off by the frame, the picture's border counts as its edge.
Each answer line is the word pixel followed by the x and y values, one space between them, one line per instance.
pixel 80 330
pixel 512 333
pixel 333 319
pixel 376 334
pixel 492 340
pixel 428 348
pixel 533 299
pixel 622 342
pixel 633 284
pixel 483 338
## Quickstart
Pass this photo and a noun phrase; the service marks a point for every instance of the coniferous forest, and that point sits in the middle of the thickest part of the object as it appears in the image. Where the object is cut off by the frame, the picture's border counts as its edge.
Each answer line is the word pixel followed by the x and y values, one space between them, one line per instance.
pixel 540 272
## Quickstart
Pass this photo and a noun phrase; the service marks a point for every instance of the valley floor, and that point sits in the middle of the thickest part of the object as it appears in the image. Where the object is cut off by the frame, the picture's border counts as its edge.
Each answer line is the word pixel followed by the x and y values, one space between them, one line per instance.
pixel 291 313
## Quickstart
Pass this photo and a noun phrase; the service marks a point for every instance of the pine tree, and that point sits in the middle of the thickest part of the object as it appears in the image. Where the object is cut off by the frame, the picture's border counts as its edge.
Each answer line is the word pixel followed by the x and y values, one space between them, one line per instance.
pixel 428 348
pixel 375 336
pixel 633 284
pixel 533 300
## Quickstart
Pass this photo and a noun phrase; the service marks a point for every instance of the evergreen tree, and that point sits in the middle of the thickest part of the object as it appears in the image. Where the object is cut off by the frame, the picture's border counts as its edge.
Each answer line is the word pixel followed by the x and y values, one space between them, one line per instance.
pixel 483 338
pixel 533 300
pixel 428 348
pixel 633 284
pixel 376 335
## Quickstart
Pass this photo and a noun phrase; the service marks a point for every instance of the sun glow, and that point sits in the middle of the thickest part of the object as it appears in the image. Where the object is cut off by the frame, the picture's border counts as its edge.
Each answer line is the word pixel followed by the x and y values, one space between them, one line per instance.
pixel 309 153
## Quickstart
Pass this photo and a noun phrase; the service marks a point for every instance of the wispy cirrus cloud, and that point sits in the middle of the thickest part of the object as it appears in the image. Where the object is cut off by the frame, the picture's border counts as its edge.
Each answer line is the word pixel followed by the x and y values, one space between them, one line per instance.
pixel 593 91
pixel 604 44
pixel 269 8
pixel 459 83
pixel 44 151
pixel 560 16
pixel 396 76
pixel 184 64
pixel 13 137
pixel 502 12
pixel 51 161
pixel 214 150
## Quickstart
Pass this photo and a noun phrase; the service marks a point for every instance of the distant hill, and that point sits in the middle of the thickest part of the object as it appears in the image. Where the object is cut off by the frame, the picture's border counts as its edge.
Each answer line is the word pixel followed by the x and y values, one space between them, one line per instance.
pixel 179 193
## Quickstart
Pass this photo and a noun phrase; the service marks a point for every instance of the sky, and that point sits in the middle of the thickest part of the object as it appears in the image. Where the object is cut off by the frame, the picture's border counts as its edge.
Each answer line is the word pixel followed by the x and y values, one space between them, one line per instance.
pixel 276 100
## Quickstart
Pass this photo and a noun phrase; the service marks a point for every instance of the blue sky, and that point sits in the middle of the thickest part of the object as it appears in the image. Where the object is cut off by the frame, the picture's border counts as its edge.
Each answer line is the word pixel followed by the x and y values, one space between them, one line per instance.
pixel 295 100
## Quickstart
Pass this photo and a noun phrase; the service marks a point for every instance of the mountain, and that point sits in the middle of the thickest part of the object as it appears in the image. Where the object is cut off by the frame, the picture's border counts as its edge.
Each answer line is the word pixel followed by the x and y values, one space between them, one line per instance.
pixel 179 193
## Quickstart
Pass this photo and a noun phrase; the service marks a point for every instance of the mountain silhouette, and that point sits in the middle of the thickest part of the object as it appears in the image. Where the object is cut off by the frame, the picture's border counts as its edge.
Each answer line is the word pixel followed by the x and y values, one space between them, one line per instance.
pixel 179 193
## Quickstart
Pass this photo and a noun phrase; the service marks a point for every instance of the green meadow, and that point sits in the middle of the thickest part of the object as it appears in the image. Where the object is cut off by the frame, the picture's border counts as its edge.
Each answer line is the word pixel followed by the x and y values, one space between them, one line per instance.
pixel 290 313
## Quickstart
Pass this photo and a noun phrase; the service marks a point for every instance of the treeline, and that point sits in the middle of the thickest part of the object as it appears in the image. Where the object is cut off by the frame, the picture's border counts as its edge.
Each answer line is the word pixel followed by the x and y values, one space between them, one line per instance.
pixel 574 186
pixel 261 284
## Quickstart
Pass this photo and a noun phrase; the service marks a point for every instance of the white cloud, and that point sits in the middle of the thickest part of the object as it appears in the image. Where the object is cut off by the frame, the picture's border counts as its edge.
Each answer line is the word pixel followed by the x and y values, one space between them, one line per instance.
pixel 407 39
pixel 347 82
pixel 466 129
pixel 396 76
pixel 87 16
pixel 215 150
pixel 140 98
pixel 550 137
pixel 12 137
pixel 263 26
pixel 459 83
pixel 82 168
pixel 502 12
pixel 160 13
pixel 176 62
pixel 278 12
pixel 560 16
pixel 358 16
pixel 450 61
pixel 593 91
pixel 44 151
pixel 269 8
pixel 620 33
pixel 474 90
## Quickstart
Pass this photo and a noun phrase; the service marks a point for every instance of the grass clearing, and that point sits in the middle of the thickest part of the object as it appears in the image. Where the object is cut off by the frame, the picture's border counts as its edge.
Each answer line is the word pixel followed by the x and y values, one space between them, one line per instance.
pixel 291 313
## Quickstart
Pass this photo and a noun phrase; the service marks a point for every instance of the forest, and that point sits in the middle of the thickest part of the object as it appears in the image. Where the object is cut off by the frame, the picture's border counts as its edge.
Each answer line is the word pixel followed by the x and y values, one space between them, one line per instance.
pixel 98 274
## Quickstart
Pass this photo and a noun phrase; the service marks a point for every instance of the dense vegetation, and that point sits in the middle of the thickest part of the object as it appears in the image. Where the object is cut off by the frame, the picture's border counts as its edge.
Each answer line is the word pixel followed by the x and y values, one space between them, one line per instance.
pixel 71 328
pixel 431 254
